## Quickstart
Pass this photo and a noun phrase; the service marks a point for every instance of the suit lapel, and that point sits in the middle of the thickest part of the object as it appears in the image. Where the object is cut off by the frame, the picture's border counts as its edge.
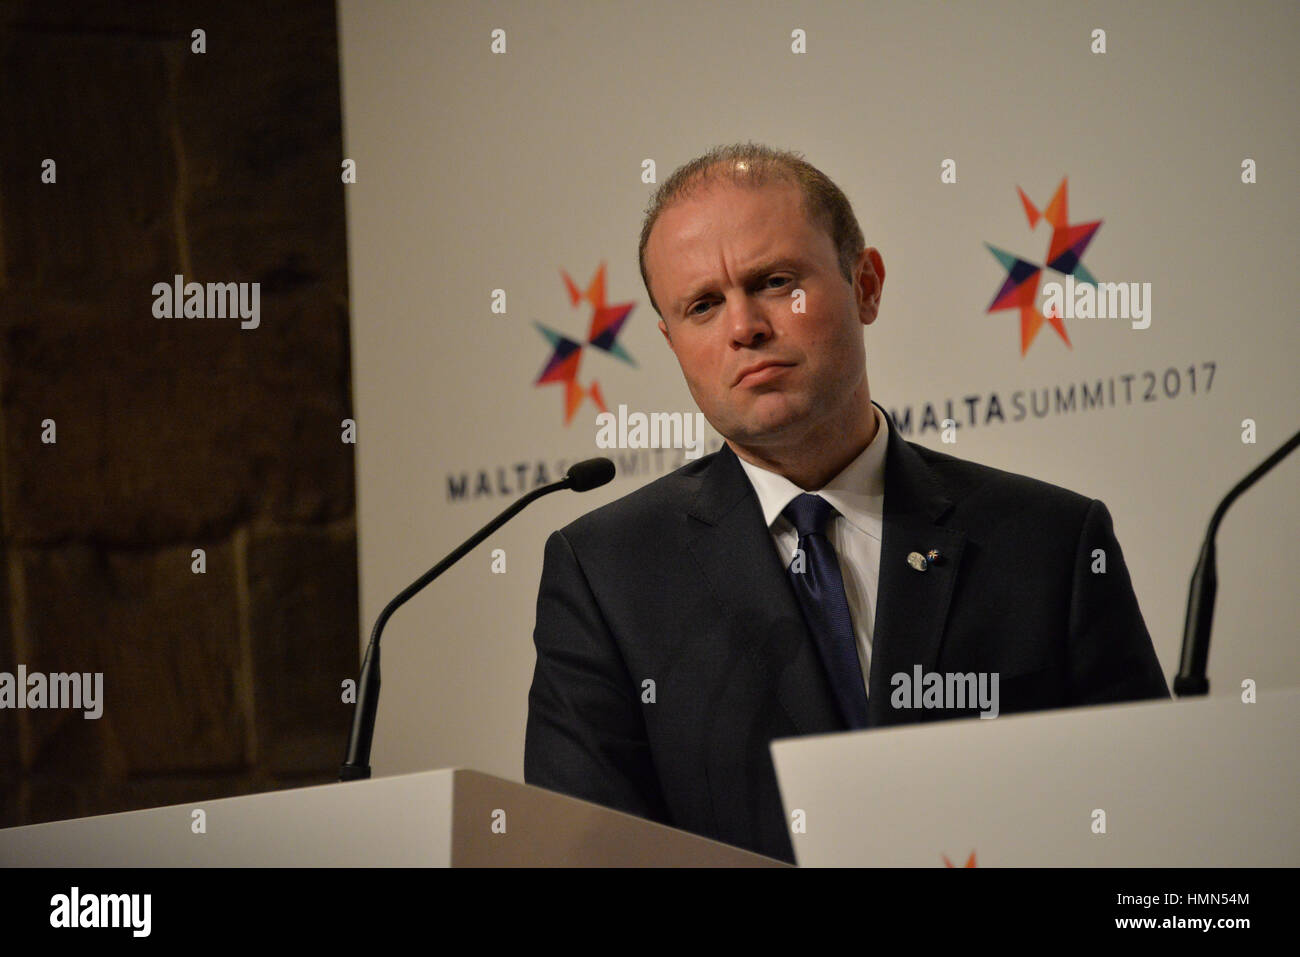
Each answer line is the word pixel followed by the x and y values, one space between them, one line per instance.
pixel 911 605
pixel 735 552
pixel 734 549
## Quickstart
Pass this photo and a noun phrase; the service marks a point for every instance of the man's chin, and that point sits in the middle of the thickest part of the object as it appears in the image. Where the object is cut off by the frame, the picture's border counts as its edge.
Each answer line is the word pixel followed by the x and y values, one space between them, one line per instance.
pixel 757 431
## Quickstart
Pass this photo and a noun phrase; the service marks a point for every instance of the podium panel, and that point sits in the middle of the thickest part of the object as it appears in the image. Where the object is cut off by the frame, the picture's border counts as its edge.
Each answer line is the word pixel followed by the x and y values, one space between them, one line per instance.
pixel 1208 782
pixel 452 817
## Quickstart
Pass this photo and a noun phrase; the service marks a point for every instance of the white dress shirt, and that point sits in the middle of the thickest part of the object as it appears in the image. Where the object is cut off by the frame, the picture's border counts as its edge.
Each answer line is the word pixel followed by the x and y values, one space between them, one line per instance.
pixel 858 494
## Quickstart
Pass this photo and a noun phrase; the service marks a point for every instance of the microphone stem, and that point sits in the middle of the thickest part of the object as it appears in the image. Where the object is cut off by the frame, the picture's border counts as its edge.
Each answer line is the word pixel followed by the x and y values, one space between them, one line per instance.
pixel 409 591
pixel 356 765
pixel 1194 660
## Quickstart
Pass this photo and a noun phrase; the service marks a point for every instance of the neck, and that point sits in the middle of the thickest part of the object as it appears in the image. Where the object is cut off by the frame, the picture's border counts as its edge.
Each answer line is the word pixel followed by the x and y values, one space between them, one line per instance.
pixel 821 454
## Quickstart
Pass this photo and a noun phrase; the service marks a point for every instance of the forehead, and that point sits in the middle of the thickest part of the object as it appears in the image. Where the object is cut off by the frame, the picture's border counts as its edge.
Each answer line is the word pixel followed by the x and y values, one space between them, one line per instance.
pixel 724 225
pixel 716 209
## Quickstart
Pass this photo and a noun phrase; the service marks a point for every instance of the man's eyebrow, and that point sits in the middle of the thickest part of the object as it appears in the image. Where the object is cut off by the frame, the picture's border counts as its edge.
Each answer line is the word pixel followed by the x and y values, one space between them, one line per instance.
pixel 767 266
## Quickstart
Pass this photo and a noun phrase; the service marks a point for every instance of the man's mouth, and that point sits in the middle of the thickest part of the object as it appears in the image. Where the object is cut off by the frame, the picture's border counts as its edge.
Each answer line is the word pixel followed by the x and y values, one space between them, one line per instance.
pixel 761 372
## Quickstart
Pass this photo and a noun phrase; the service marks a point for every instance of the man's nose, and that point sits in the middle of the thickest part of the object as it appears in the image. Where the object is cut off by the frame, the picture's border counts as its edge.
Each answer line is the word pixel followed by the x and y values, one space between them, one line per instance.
pixel 749 325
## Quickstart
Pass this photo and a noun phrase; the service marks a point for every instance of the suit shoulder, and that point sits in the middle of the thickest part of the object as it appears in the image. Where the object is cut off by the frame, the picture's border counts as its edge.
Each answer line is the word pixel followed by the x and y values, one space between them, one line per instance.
pixel 644 510
pixel 972 482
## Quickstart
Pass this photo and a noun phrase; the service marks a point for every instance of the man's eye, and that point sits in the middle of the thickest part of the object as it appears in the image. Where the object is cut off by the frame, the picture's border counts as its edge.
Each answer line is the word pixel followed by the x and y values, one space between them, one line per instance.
pixel 693 310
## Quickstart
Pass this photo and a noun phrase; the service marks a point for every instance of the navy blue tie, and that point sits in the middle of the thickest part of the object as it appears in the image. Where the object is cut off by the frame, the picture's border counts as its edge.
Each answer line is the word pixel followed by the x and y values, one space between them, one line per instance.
pixel 825 606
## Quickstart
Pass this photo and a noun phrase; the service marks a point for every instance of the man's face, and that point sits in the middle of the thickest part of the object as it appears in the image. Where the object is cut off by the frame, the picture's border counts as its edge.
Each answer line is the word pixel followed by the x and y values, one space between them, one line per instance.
pixel 723 265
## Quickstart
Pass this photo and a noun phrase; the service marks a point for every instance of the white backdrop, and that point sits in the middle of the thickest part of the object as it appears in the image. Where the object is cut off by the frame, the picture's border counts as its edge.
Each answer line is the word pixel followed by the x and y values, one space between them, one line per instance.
pixel 479 171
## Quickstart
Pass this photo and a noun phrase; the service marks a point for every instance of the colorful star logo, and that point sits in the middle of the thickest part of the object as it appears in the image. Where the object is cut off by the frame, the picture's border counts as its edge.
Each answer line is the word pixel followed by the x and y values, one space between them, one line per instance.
pixel 1064 255
pixel 566 355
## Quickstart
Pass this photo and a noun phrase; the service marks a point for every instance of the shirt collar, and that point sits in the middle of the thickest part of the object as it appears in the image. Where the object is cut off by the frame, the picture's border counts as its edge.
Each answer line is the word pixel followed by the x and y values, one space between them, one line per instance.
pixel 857 492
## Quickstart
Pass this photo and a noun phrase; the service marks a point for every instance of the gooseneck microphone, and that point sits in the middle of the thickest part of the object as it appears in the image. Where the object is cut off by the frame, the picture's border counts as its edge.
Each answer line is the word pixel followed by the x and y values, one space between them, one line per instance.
pixel 1191 679
pixel 581 477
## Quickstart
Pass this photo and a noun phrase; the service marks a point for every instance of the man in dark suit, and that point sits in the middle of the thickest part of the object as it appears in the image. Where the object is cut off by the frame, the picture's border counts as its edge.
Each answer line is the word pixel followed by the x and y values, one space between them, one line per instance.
pixel 685 626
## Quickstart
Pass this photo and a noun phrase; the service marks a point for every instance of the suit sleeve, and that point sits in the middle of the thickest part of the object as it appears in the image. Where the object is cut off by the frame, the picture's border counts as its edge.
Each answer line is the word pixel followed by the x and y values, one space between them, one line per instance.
pixel 1111 657
pixel 586 736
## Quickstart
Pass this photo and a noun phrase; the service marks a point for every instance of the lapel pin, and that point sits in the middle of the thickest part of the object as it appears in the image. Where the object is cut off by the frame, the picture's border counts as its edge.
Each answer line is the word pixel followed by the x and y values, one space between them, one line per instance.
pixel 917 561
pixel 933 556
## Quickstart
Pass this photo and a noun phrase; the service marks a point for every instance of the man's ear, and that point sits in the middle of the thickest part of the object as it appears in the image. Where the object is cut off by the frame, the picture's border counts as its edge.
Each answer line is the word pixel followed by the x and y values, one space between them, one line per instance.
pixel 871 281
pixel 663 327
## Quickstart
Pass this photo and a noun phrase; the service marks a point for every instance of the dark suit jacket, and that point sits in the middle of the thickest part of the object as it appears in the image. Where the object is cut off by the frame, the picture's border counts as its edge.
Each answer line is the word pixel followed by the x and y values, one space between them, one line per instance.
pixel 680 584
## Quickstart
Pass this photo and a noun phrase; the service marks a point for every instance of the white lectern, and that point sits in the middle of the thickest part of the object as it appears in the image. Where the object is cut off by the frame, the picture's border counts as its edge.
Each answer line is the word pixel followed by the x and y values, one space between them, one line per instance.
pixel 453 818
pixel 1204 782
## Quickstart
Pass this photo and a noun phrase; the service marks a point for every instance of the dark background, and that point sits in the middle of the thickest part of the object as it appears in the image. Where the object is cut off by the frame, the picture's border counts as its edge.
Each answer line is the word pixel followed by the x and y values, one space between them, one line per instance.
pixel 173 434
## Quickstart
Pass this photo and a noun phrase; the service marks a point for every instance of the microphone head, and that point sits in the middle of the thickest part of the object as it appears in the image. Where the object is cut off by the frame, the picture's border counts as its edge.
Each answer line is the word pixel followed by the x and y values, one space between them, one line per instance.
pixel 592 473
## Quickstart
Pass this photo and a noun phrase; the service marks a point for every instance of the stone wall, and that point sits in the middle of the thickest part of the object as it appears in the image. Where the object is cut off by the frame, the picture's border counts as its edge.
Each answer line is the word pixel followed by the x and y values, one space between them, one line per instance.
pixel 178 434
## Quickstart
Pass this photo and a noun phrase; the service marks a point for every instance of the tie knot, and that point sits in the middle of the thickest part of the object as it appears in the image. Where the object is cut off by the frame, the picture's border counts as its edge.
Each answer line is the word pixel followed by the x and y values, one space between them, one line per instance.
pixel 809 514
